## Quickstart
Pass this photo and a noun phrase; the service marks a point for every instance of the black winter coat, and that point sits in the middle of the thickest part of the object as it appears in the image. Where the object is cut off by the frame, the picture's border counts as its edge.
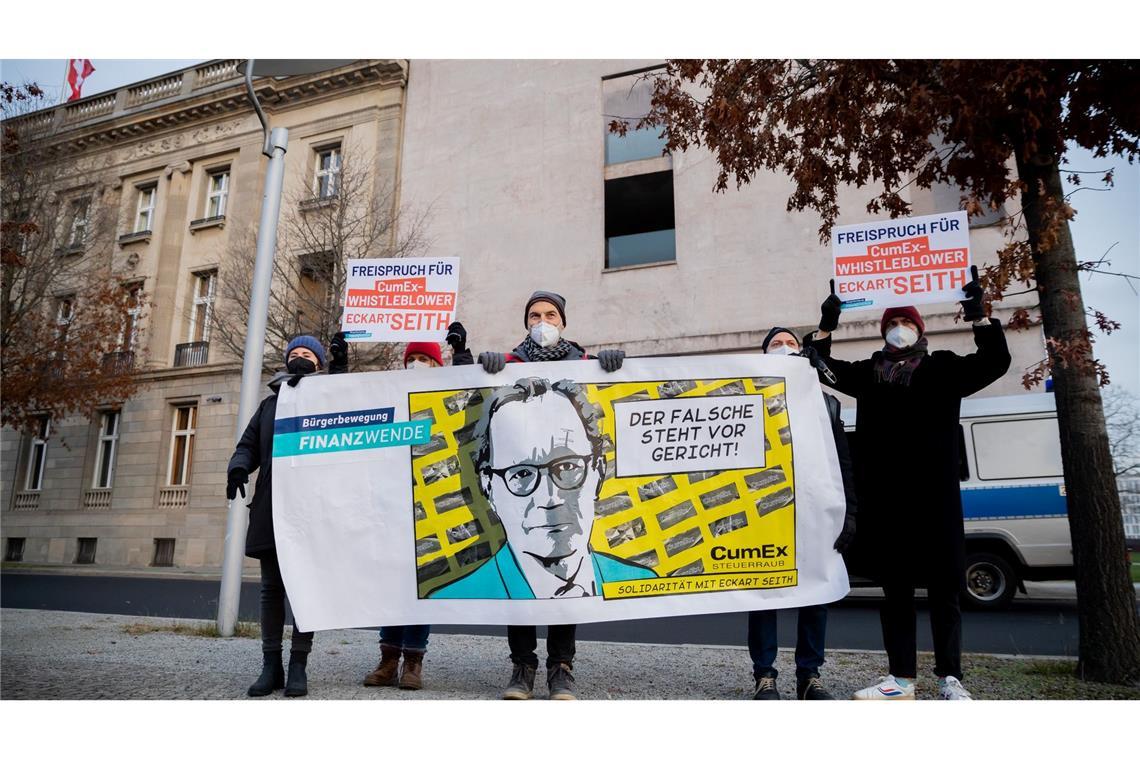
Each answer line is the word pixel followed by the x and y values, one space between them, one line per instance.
pixel 255 452
pixel 846 469
pixel 906 460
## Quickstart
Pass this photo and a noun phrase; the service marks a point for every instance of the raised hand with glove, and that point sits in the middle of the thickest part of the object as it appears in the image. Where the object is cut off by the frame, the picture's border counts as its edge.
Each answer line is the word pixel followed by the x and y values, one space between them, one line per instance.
pixel 973 308
pixel 829 312
pixel 339 350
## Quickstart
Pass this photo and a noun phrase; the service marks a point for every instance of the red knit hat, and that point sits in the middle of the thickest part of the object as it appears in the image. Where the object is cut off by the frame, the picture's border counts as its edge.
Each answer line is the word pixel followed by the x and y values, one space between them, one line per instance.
pixel 430 350
pixel 909 312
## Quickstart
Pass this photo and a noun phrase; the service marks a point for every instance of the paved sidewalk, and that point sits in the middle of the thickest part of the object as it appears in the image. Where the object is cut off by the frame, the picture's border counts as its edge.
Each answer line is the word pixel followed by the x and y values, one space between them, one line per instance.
pixel 71 655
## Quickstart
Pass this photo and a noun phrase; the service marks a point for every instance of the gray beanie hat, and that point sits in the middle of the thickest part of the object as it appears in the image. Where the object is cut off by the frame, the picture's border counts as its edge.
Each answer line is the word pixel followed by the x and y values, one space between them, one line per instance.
pixel 545 295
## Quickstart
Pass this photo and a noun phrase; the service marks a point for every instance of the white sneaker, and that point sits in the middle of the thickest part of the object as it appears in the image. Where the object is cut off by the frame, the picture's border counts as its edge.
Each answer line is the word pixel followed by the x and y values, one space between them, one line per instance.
pixel 888 688
pixel 952 688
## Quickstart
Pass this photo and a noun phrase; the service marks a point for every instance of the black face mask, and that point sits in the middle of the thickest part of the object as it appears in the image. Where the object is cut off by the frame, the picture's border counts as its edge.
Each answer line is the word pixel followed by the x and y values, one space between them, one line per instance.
pixel 300 366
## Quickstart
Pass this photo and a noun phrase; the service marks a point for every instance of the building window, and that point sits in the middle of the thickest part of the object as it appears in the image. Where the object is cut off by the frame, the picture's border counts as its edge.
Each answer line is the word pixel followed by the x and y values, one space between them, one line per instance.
pixel 163 552
pixel 217 191
pixel 80 218
pixel 37 455
pixel 85 552
pixel 129 335
pixel 144 212
pixel 182 444
pixel 639 220
pixel 14 550
pixel 627 99
pixel 64 313
pixel 108 443
pixel 327 180
pixel 202 312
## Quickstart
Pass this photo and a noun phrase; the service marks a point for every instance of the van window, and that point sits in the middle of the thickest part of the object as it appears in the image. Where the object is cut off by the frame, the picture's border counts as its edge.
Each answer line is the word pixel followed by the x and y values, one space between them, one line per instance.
pixel 1010 449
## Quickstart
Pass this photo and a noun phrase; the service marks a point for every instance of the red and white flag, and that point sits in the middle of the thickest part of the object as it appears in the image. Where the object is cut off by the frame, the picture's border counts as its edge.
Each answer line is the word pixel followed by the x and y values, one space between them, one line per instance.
pixel 78 69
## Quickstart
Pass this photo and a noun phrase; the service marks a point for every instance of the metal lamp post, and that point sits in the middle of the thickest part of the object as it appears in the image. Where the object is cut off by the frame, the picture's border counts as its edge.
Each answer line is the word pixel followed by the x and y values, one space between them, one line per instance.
pixel 276 141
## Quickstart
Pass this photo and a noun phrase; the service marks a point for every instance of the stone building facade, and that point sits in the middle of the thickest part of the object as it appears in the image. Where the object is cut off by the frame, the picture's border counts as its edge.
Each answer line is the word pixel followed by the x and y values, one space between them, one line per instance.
pixel 524 184
pixel 179 160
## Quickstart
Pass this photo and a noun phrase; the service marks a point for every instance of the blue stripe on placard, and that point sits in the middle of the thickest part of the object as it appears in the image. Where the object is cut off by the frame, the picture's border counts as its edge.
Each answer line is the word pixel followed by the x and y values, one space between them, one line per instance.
pixel 352 439
pixel 313 423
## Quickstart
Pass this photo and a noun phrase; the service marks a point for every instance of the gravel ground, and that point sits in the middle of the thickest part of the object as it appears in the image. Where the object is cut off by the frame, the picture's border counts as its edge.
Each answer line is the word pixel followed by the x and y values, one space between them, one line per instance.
pixel 70 655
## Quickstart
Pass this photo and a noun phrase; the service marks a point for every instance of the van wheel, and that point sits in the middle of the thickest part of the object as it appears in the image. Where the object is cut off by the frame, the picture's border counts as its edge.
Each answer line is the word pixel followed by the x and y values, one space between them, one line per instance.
pixel 990 582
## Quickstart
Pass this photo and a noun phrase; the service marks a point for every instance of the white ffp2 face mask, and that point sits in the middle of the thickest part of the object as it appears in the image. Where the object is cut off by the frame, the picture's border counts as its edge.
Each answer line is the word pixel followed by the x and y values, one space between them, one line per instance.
pixel 418 364
pixel 782 350
pixel 901 336
pixel 545 334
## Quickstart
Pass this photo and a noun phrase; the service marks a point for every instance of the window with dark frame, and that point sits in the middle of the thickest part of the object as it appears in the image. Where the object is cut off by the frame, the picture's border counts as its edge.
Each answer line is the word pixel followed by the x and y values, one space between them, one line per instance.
pixel 80 217
pixel 639 212
pixel 327 179
pixel 14 550
pixel 639 220
pixel 85 552
pixel 104 475
pixel 37 455
pixel 201 316
pixel 163 552
pixel 182 445
pixel 217 192
pixel 144 207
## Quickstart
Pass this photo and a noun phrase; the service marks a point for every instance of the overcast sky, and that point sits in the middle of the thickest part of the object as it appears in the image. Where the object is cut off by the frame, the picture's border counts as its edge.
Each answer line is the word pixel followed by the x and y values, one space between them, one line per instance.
pixel 1104 219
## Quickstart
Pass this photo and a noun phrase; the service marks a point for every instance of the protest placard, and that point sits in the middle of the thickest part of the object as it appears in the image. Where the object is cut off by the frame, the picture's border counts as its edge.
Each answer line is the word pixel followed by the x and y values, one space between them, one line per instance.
pixel 902 262
pixel 400 300
pixel 554 492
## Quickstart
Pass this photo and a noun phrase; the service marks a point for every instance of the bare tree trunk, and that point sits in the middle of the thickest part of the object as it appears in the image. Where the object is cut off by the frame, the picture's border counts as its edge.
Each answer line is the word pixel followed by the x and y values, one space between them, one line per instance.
pixel 1106 600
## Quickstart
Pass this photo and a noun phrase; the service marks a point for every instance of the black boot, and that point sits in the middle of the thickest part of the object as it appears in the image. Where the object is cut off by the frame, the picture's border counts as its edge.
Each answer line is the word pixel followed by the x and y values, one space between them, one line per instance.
pixel 272 675
pixel 297 684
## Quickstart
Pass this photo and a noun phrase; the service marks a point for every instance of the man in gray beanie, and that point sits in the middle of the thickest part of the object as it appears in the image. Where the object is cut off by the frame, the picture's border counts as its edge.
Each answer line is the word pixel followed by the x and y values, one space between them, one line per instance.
pixel 545 318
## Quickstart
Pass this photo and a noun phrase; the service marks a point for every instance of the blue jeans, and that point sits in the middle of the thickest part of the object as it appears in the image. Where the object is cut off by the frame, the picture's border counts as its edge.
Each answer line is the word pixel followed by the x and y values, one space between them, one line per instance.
pixel 413 638
pixel 810 634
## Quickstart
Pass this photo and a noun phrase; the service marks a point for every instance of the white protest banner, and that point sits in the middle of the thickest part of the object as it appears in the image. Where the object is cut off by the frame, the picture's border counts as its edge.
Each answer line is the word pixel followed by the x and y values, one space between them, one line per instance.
pixel 902 262
pixel 554 492
pixel 400 300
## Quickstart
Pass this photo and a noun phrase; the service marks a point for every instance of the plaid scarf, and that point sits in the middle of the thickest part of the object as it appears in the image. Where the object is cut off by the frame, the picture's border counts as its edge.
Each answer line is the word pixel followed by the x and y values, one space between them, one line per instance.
pixel 537 353
pixel 896 365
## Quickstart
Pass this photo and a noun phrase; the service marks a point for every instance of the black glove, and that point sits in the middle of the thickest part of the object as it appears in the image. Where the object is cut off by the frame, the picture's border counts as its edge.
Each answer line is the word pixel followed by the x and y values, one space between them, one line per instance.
pixel 294 379
pixel 492 361
pixel 972 308
pixel 812 355
pixel 235 481
pixel 457 336
pixel 829 311
pixel 846 535
pixel 611 359
pixel 339 350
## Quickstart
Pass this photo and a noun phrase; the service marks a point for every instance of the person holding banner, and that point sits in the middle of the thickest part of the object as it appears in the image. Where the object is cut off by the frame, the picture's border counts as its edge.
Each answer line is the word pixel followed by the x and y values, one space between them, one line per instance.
pixel 303 356
pixel 410 641
pixel 910 529
pixel 544 316
pixel 811 625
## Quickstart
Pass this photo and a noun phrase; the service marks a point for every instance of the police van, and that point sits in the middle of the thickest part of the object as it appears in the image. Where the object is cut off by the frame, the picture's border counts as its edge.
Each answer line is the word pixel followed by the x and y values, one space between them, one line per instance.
pixel 1013 495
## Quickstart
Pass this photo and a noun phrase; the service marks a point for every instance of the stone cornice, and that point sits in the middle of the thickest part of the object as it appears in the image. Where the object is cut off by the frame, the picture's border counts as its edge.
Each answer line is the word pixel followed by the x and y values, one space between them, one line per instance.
pixel 111 121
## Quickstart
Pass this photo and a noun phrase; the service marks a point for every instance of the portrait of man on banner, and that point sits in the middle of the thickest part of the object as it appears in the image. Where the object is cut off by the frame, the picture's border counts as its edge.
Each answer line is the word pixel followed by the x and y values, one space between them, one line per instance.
pixel 538 455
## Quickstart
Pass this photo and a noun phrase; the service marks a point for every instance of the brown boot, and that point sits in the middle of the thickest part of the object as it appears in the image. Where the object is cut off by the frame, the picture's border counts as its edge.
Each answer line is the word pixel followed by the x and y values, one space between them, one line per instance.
pixel 411 672
pixel 386 672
